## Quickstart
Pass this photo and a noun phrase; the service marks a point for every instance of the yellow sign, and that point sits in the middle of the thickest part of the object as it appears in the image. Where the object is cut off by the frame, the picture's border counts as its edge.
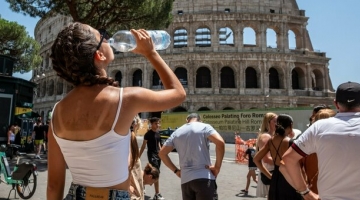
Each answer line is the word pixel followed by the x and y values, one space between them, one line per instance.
pixel 241 121
pixel 20 110
pixel 221 121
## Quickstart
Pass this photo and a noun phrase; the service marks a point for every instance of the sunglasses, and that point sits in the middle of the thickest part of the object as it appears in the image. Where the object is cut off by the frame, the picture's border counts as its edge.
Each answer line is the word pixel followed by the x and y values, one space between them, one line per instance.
pixel 103 34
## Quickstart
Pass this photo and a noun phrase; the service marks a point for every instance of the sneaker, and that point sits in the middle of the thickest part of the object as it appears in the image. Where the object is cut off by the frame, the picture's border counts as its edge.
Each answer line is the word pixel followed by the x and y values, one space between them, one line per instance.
pixel 38 157
pixel 158 197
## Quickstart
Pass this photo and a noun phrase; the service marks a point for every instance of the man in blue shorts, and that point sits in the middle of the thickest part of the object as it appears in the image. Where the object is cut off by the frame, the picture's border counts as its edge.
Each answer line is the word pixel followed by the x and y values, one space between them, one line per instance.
pixel 196 171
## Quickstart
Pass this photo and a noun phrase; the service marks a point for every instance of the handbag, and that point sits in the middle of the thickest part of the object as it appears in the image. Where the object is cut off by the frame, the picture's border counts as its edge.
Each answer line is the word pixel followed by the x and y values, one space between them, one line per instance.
pixel 264 179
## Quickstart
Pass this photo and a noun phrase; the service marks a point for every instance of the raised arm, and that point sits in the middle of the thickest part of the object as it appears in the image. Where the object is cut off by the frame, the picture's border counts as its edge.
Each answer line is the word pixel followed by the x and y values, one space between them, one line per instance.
pixel 174 93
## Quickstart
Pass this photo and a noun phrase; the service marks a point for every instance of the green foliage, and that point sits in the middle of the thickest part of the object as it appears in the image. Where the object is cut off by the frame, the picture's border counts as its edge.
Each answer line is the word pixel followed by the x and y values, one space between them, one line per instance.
pixel 110 14
pixel 15 42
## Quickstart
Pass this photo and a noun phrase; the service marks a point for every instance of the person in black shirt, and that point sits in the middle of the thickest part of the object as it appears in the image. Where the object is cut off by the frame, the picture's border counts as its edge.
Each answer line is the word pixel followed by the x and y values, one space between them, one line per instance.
pixel 38 134
pixel 152 140
pixel 249 154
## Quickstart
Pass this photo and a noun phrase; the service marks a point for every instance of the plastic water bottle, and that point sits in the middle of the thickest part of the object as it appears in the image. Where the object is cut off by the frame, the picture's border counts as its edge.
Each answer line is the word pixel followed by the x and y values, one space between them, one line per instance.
pixel 124 41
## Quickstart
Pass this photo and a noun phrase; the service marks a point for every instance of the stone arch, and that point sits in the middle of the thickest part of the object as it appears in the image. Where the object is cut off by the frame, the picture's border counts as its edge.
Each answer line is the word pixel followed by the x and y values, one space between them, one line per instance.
pixel 156 79
pixel 204 108
pixel 298 37
pixel 137 78
pixel 203 77
pixel 274 78
pixel 226 36
pixel 180 38
pixel 43 88
pixel 51 87
pixel 291 39
pixel 181 74
pixel 317 80
pixel 59 87
pixel 251 79
pixel 118 77
pixel 179 109
pixel 298 79
pixel 249 34
pixel 203 37
pixel 47 61
pixel 227 78
pixel 271 38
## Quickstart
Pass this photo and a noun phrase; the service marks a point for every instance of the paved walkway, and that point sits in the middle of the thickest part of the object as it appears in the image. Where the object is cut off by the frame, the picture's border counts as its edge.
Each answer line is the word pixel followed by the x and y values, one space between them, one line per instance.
pixel 231 180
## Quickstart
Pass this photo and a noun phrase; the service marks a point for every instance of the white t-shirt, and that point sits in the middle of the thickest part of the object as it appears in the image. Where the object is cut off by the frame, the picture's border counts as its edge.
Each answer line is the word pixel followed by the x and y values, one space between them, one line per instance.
pixel 337 144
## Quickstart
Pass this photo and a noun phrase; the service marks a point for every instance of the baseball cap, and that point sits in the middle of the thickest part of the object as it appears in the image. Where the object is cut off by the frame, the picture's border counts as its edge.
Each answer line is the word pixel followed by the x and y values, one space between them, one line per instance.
pixel 348 93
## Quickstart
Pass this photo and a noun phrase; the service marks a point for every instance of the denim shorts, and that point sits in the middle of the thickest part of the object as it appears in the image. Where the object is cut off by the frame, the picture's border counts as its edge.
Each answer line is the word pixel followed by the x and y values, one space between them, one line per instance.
pixel 78 192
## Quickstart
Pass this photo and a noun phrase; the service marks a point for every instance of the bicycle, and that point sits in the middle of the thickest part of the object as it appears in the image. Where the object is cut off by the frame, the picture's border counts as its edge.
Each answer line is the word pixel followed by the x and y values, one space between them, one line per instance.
pixel 24 176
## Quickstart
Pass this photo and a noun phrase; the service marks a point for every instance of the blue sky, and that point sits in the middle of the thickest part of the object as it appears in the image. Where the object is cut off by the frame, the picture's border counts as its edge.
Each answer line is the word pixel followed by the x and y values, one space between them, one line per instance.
pixel 334 28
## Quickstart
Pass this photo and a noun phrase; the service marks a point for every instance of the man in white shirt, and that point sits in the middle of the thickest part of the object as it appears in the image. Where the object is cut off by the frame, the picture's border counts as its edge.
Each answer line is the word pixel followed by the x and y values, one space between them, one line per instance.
pixel 336 141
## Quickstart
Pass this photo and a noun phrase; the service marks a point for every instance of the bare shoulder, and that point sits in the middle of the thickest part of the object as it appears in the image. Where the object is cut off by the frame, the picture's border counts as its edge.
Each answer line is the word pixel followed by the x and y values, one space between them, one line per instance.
pixel 264 137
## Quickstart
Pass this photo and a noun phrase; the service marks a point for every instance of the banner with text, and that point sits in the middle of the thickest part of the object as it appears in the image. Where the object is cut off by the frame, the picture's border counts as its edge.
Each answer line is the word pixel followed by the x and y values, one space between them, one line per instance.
pixel 240 121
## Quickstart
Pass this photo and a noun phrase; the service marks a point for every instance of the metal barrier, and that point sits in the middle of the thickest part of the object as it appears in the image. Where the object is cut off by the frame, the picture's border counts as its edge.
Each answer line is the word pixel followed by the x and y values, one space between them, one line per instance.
pixel 240 148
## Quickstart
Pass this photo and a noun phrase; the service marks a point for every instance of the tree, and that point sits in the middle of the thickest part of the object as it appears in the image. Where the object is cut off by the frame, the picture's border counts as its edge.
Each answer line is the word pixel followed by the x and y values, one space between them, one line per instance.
pixel 15 42
pixel 110 14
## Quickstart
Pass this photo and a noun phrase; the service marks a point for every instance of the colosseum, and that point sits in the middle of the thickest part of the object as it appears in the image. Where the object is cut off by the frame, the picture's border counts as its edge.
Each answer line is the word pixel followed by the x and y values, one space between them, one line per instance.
pixel 229 55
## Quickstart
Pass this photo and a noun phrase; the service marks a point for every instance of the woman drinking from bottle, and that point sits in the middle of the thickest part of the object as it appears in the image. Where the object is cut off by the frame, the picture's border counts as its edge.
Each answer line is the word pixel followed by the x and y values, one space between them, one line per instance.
pixel 89 131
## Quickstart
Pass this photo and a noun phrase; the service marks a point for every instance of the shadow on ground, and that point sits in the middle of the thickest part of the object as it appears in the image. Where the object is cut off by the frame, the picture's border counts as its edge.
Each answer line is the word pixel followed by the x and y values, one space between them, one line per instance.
pixel 244 195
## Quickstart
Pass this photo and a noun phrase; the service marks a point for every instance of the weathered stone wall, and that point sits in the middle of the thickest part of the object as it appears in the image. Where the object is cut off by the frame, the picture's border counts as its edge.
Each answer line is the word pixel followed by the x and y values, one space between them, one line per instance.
pixel 310 67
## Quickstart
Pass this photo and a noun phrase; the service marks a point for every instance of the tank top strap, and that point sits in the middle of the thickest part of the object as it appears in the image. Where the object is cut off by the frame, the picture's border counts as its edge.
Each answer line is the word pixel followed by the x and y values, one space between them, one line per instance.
pixel 51 120
pixel 118 109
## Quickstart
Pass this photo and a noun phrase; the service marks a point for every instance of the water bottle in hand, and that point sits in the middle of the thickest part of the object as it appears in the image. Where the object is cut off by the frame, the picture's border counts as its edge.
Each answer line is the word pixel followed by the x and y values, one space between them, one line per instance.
pixel 124 41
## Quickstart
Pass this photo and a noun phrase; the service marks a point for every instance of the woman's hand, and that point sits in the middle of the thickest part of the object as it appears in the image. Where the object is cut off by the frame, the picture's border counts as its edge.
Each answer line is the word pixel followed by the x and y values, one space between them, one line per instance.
pixel 144 43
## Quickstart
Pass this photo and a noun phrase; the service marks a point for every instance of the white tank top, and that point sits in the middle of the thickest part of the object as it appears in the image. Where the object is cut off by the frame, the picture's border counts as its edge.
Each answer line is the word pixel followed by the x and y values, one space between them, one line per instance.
pixel 101 162
pixel 12 137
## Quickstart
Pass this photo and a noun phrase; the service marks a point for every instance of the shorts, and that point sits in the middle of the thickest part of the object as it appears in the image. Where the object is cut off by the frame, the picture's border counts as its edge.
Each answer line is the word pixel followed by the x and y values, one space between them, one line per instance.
pixel 199 189
pixel 155 161
pixel 78 192
pixel 37 142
